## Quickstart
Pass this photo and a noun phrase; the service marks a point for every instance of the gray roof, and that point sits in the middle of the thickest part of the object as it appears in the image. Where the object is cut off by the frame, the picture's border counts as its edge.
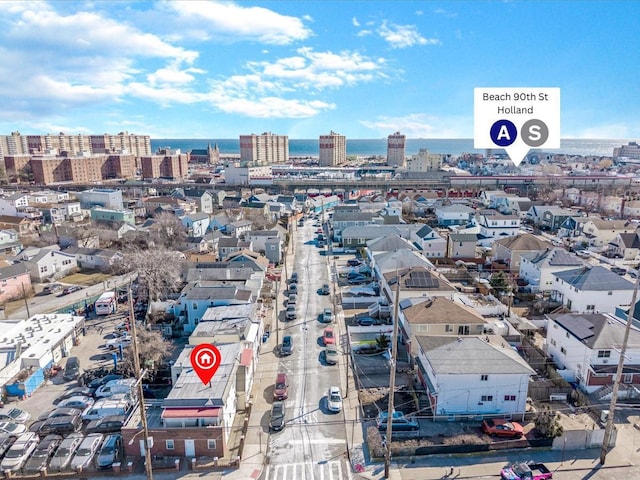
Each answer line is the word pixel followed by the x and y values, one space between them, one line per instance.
pixel 352 216
pixel 194 217
pixel 424 231
pixel 595 330
pixel 472 355
pixel 230 273
pixel 228 242
pixel 455 208
pixel 390 242
pixel 12 271
pixel 594 279
pixel 215 292
pixel 371 231
pixel 227 312
pixel 189 391
pixel 554 257
pixel 262 233
pixel 463 237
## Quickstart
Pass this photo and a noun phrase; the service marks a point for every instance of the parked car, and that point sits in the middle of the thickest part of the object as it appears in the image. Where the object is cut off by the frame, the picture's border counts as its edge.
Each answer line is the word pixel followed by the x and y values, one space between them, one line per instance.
pixel 76 391
pixel 324 290
pixel 334 400
pixel 98 382
pixel 5 443
pixel 526 471
pixel 358 279
pixel 290 314
pixel 293 278
pixel 618 270
pixel 366 321
pixel 328 336
pixel 12 428
pixel 62 458
pixel 61 425
pixel 399 422
pixel 277 421
pixel 71 289
pixel 292 300
pixel 111 451
pixel 108 424
pixel 502 428
pixel 79 401
pixel 24 445
pixel 114 343
pixel 331 354
pixel 287 345
pixel 14 415
pixel 72 369
pixel 293 288
pixel 43 452
pixel 60 412
pixel 281 387
pixel 327 316
pixel 86 451
pixel 353 262
pixel 51 288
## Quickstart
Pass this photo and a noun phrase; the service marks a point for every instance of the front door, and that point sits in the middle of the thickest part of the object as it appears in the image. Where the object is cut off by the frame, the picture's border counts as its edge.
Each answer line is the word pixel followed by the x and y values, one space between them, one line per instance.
pixel 189 448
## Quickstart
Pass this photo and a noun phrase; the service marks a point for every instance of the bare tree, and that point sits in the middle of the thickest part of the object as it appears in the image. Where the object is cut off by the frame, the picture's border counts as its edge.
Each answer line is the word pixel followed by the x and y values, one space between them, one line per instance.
pixel 170 230
pixel 159 271
pixel 152 350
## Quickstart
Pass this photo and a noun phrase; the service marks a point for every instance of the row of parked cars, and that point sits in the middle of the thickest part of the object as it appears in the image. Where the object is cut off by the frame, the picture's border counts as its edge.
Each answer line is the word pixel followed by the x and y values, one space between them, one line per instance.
pixel 29 454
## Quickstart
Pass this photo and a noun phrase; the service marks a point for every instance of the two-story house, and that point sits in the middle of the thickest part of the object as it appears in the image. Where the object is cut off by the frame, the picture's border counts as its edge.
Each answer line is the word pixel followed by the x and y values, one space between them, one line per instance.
pixel 474 375
pixel 461 246
pixel 44 263
pixel 586 349
pixel 194 420
pixel 436 316
pixel 513 205
pixel 228 245
pixel 455 214
pixel 9 242
pixel 511 249
pixel 601 232
pixel 489 198
pixel 537 268
pixel 203 199
pixel 549 217
pixel 344 219
pixel 431 243
pixel 95 258
pixel 494 225
pixel 196 224
pixel 15 282
pixel 626 246
pixel 591 289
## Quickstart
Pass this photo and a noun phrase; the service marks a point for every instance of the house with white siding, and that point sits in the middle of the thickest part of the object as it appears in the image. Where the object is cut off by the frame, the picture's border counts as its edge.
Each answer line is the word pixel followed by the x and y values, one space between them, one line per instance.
pixel 453 215
pixel 538 268
pixel 586 349
pixel 591 289
pixel 474 375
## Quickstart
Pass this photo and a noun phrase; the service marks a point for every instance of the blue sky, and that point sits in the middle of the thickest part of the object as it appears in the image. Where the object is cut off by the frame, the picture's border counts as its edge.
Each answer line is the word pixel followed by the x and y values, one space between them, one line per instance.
pixel 200 69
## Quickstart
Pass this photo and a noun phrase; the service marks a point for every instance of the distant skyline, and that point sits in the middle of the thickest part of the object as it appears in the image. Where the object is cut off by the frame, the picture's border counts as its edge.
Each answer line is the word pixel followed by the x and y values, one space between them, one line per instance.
pixel 364 69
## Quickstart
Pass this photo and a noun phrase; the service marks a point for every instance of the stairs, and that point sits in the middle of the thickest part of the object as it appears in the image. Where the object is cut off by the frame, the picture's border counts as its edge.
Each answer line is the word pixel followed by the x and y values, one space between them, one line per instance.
pixel 602 394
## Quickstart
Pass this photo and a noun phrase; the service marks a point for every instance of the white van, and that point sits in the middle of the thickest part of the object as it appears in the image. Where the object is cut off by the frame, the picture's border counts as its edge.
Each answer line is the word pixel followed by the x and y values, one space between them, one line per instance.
pixel 122 385
pixel 105 407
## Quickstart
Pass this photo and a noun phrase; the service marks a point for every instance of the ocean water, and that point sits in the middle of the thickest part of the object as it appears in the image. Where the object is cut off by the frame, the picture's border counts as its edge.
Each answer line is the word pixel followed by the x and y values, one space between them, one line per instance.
pixel 373 147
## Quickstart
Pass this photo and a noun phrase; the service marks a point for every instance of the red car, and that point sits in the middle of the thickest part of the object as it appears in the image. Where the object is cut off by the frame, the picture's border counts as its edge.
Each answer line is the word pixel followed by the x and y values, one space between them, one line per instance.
pixel 328 336
pixel 499 427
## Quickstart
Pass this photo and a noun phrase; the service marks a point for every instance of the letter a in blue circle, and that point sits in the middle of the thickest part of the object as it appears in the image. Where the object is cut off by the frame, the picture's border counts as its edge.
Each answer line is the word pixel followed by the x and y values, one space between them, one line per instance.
pixel 503 133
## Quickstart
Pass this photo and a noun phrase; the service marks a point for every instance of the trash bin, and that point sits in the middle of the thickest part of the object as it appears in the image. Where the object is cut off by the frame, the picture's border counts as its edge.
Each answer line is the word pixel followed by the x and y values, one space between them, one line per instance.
pixel 265 337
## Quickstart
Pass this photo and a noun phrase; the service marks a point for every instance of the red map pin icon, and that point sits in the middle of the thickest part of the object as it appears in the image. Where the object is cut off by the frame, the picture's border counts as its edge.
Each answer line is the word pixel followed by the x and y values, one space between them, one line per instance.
pixel 205 360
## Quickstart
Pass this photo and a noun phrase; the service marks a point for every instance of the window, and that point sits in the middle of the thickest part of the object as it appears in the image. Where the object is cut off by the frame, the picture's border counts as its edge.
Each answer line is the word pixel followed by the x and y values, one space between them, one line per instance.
pixel 509 398
pixel 211 444
pixel 195 306
pixel 487 398
pixel 604 353
pixel 610 292
pixel 448 328
pixel 484 378
pixel 567 335
pixel 563 350
pixel 170 444
pixel 591 307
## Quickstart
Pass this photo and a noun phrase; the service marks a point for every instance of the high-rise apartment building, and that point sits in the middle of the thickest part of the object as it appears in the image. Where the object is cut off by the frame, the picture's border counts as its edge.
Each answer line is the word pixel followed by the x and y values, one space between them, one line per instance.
pixel 333 150
pixel 73 145
pixel 80 169
pixel 396 150
pixel 265 149
pixel 165 164
pixel 424 162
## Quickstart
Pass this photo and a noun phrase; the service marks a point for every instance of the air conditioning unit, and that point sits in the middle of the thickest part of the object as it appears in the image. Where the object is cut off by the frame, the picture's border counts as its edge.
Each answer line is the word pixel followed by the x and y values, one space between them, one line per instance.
pixel 605 360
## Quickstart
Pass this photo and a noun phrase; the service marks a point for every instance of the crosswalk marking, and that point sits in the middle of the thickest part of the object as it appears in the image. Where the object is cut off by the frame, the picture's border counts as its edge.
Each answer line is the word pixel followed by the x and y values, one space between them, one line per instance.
pixel 332 470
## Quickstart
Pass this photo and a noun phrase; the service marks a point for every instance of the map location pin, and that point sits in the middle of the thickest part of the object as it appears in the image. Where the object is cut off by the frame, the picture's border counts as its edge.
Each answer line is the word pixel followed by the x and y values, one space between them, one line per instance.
pixel 205 360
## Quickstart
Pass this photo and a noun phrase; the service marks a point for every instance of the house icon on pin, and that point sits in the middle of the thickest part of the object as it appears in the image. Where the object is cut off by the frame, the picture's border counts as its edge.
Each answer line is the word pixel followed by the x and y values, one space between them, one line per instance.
pixel 206 359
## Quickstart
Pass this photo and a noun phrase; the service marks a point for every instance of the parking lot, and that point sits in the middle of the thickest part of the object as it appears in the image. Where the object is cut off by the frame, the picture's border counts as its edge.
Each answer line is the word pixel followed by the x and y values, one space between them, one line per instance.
pixel 92 355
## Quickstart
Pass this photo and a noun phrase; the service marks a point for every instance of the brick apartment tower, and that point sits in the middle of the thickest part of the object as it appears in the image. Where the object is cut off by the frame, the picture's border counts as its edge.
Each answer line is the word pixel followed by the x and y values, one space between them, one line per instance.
pixel 333 150
pixel 396 151
pixel 265 149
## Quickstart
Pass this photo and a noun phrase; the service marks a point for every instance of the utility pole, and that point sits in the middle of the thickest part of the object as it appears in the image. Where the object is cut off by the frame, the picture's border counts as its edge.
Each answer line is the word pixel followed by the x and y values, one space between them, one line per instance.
pixel 392 380
pixel 277 318
pixel 143 412
pixel 616 383
pixel 26 302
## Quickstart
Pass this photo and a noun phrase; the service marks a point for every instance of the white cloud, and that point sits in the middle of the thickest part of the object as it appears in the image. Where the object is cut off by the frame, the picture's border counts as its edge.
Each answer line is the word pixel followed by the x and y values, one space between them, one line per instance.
pixel 173 75
pixel 232 22
pixel 355 22
pixel 422 125
pixel 403 36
